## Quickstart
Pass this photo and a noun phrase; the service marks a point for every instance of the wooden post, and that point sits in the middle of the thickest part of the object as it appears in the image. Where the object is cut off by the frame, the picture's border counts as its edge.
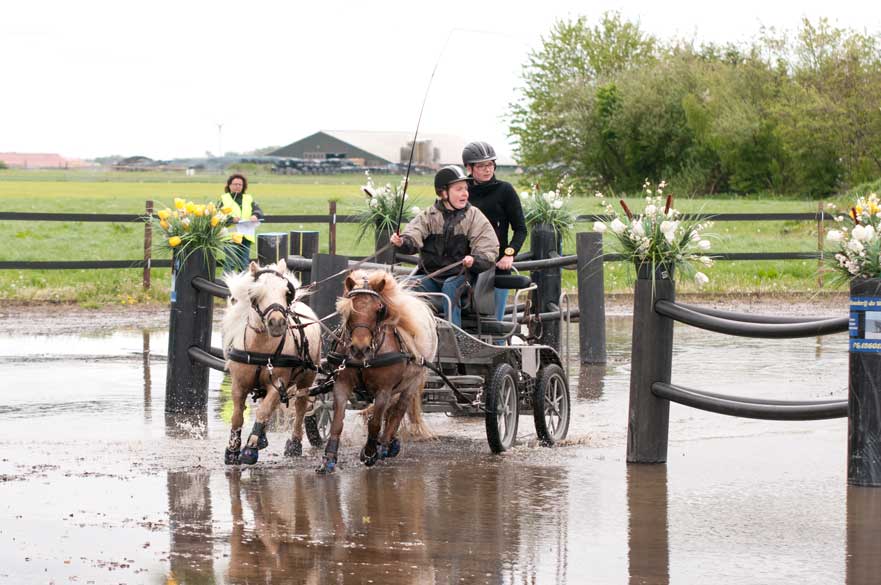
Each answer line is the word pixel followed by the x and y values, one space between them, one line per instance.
pixel 186 383
pixel 148 244
pixel 543 243
pixel 591 298
pixel 821 236
pixel 304 244
pixel 651 360
pixel 332 234
pixel 380 240
pixel 272 247
pixel 864 397
pixel 323 300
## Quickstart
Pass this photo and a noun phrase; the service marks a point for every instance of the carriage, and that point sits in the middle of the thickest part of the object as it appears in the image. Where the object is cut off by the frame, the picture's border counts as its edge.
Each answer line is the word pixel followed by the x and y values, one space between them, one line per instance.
pixel 486 368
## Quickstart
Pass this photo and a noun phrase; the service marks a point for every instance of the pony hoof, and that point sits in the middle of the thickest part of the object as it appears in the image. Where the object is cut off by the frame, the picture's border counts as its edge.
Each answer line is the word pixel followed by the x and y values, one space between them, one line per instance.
pixel 249 455
pixel 293 448
pixel 394 447
pixel 370 460
pixel 231 457
pixel 327 466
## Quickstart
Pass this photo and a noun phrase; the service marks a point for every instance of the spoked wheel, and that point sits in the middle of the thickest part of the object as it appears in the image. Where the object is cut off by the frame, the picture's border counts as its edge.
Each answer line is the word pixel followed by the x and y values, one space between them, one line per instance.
pixel 318 423
pixel 502 408
pixel 550 405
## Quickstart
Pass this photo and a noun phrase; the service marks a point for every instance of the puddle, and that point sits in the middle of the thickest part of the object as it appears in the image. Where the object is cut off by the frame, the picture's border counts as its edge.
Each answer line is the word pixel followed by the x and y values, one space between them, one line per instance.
pixel 99 484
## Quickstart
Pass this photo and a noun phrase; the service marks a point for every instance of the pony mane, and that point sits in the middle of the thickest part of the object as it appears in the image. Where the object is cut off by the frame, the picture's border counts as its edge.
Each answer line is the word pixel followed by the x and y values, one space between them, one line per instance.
pixel 404 310
pixel 242 289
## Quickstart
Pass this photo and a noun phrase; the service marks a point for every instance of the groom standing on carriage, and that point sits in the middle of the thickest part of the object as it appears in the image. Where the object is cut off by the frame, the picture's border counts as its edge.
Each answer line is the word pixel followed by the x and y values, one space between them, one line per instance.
pixel 450 234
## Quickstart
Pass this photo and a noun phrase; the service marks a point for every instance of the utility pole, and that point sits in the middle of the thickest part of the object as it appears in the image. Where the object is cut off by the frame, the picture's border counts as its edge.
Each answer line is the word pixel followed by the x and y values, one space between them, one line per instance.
pixel 219 139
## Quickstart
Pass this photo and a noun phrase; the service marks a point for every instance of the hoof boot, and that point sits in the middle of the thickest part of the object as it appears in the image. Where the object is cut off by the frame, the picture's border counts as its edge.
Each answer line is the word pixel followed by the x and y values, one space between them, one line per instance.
pixel 249 455
pixel 327 466
pixel 231 457
pixel 370 460
pixel 394 447
pixel 293 448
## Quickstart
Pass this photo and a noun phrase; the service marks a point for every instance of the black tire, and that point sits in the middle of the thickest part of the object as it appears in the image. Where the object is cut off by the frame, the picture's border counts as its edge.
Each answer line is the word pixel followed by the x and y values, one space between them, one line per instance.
pixel 502 408
pixel 318 423
pixel 551 407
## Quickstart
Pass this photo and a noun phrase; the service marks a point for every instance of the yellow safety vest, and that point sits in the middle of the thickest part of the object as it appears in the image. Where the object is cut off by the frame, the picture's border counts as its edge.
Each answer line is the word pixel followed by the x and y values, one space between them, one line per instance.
pixel 243 212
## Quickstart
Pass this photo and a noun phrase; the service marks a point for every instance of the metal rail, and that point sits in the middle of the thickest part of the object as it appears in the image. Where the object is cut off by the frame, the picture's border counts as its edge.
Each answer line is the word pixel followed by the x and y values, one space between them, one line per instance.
pixel 752 409
pixel 746 329
pixel 200 356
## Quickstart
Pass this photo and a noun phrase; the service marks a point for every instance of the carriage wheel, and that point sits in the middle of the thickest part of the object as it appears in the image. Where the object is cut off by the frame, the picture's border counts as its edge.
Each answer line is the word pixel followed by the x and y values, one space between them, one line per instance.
pixel 318 423
pixel 502 409
pixel 550 405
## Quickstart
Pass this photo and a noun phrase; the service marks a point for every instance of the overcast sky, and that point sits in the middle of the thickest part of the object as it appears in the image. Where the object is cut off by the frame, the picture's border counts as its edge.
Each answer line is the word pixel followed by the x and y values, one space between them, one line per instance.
pixel 92 78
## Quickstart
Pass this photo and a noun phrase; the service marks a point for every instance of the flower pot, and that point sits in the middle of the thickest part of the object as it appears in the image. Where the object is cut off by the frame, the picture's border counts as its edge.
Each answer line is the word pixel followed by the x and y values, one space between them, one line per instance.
pixel 647 271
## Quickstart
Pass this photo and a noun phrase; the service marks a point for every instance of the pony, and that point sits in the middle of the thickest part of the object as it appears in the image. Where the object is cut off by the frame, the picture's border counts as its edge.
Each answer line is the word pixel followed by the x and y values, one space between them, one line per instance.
pixel 272 344
pixel 387 334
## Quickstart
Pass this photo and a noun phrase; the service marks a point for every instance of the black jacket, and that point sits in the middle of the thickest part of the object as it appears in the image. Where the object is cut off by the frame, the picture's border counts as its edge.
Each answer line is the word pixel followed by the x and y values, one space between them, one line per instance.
pixel 500 204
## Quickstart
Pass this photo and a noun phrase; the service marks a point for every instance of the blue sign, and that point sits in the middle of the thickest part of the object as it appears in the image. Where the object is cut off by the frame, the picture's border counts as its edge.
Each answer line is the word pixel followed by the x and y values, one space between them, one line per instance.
pixel 864 324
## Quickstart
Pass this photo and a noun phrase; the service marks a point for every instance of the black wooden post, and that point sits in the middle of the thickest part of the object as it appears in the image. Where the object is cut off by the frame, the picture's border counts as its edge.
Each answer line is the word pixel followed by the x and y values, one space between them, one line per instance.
pixel 186 383
pixel 864 394
pixel 272 247
pixel 651 360
pixel 591 298
pixel 543 243
pixel 323 299
pixel 381 239
pixel 304 244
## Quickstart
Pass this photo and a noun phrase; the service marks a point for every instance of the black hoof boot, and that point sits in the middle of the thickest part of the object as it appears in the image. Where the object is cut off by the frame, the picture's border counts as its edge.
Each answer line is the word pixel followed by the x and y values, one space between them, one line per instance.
pixel 394 447
pixel 293 448
pixel 371 453
pixel 329 461
pixel 259 431
pixel 231 457
pixel 249 455
pixel 328 465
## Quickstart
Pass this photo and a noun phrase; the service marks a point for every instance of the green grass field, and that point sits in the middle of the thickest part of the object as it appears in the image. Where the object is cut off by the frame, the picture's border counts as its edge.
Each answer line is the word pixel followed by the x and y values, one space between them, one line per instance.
pixel 94 192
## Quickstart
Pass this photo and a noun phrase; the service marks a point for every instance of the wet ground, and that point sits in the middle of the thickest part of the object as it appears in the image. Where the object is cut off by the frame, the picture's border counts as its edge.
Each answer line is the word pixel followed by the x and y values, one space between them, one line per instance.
pixel 97 485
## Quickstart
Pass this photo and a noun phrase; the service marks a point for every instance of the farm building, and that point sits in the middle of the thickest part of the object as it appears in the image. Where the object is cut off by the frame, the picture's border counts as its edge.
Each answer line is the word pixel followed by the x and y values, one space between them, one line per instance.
pixel 40 160
pixel 380 148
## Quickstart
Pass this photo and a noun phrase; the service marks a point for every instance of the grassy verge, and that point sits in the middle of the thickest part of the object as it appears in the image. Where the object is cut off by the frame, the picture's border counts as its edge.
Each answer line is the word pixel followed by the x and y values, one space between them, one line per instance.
pixel 91 192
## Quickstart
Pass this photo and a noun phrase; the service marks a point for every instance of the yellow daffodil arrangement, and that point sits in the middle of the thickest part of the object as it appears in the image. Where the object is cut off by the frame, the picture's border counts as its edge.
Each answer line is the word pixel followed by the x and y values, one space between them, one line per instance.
pixel 660 239
pixel 189 227
pixel 553 208
pixel 858 240
pixel 383 205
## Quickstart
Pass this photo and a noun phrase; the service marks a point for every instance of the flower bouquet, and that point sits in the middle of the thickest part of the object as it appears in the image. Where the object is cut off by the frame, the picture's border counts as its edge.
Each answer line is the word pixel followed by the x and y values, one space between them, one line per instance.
pixel 660 239
pixel 859 244
pixel 550 208
pixel 192 227
pixel 383 206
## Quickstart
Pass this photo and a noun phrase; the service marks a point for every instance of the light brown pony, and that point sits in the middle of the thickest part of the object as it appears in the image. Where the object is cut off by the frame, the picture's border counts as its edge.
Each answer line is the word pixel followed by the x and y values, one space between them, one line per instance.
pixel 387 334
pixel 266 319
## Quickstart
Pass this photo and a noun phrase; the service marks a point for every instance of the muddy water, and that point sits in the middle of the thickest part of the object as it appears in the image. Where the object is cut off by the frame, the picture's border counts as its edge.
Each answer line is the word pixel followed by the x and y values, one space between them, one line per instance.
pixel 98 485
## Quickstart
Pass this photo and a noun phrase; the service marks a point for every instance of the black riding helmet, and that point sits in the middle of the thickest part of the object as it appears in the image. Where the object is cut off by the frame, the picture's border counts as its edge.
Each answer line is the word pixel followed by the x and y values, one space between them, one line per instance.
pixel 476 152
pixel 447 176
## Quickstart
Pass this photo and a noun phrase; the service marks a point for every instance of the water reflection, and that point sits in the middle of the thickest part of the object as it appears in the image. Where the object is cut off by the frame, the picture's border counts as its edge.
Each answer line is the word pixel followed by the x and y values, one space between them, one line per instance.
pixel 148 383
pixel 191 556
pixel 863 535
pixel 648 547
pixel 420 524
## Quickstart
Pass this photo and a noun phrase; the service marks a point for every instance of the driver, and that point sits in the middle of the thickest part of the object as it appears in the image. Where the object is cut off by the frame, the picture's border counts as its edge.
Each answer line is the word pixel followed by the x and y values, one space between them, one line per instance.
pixel 447 232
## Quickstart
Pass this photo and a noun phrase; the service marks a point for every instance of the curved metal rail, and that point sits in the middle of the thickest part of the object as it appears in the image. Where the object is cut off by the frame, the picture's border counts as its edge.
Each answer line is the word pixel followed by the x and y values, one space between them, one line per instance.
pixel 200 356
pixel 212 288
pixel 747 317
pixel 752 409
pixel 746 329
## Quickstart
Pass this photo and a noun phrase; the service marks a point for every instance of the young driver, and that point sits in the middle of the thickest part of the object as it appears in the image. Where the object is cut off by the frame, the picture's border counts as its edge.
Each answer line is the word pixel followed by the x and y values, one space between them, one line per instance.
pixel 447 232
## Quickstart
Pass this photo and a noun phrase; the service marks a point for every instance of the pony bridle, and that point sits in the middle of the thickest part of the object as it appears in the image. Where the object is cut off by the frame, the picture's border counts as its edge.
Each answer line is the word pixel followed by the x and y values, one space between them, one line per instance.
pixel 380 313
pixel 284 310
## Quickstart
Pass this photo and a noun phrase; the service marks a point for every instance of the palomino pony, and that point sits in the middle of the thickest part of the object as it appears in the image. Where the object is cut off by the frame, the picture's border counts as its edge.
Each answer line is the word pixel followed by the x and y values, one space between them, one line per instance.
pixel 272 342
pixel 387 335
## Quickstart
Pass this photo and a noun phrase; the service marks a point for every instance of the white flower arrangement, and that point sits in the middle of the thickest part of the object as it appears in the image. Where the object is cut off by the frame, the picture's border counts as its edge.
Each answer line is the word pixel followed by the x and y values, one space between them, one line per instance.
pixel 551 208
pixel 383 206
pixel 859 241
pixel 660 238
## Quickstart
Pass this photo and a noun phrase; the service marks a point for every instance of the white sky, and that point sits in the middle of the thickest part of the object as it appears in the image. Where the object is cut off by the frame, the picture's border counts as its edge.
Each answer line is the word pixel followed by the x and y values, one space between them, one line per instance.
pixel 91 78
